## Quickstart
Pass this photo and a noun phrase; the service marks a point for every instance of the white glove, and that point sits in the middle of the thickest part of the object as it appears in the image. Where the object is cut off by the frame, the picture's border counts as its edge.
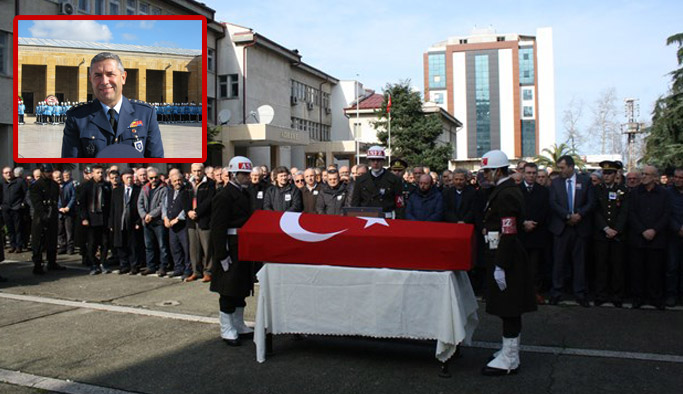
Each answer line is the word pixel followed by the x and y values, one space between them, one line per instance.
pixel 499 276
pixel 225 263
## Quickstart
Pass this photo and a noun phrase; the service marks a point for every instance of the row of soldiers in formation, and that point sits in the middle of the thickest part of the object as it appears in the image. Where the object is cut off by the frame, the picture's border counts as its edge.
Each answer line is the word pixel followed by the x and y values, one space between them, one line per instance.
pixel 178 112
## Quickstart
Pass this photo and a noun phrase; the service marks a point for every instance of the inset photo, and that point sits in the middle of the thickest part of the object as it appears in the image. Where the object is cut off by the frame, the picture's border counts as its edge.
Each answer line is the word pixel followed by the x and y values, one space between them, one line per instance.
pixel 116 88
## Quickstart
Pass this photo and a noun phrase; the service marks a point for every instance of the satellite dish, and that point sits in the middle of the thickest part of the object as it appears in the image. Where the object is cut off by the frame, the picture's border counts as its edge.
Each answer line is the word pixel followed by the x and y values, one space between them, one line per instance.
pixel 224 116
pixel 265 114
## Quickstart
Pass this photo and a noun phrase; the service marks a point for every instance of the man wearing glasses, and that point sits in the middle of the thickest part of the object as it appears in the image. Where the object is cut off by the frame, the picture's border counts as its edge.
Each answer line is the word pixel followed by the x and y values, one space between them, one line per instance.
pixel 378 188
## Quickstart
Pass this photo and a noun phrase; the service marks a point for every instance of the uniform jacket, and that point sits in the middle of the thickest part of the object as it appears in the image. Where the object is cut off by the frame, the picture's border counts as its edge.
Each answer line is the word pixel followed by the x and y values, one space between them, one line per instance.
pixel 67 197
pixel 87 130
pixel 286 198
pixel 584 201
pixel 649 210
pixel 537 209
pixel 506 201
pixel 97 216
pixel 427 207
pixel 611 210
pixel 309 197
pixel 204 194
pixel 331 201
pixel 230 208
pixel 467 210
pixel 123 217
pixel 44 197
pixel 14 194
pixel 257 192
pixel 153 207
pixel 381 191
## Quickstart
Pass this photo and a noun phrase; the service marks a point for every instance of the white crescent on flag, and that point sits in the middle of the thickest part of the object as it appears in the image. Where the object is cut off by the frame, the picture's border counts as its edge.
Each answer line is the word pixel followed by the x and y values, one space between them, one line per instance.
pixel 289 223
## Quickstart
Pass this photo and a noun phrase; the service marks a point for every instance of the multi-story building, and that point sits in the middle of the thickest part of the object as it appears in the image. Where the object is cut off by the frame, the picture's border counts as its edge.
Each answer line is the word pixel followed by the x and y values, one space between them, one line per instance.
pixel 501 86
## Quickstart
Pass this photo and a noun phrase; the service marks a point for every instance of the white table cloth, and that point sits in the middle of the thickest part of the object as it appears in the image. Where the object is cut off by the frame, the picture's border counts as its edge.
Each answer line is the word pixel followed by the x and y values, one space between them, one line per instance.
pixel 378 303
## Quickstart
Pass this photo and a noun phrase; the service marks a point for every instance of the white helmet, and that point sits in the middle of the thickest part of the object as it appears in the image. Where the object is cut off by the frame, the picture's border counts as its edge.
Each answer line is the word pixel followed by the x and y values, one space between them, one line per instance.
pixel 239 164
pixel 494 159
pixel 376 152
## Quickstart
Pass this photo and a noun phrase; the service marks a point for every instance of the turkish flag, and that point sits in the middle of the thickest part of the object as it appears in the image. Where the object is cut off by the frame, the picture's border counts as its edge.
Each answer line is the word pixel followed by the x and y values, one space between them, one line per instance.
pixel 389 104
pixel 300 238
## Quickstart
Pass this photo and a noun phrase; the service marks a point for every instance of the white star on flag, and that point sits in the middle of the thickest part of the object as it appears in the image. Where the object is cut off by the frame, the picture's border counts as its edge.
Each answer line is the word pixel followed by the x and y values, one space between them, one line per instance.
pixel 372 221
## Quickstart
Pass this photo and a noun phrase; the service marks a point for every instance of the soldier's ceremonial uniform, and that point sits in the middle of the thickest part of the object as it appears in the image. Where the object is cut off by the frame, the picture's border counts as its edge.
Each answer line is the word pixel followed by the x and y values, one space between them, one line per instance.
pixel 44 194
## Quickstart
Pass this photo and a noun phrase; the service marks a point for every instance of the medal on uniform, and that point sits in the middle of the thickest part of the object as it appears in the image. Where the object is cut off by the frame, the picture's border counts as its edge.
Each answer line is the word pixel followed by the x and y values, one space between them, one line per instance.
pixel 612 195
pixel 135 123
pixel 381 191
pixel 138 145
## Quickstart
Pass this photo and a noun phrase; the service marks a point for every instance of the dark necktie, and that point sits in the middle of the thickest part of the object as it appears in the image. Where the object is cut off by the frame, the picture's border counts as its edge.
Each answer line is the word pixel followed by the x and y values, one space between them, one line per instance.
pixel 528 188
pixel 127 199
pixel 112 119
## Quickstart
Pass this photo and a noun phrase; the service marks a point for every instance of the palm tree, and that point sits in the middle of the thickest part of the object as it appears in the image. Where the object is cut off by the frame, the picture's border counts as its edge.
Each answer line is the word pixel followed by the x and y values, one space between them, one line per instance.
pixel 212 132
pixel 549 156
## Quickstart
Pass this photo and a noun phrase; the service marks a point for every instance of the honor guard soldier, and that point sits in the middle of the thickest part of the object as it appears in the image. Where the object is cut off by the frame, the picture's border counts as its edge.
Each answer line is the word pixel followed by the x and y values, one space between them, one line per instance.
pixel 44 194
pixel 111 118
pixel 611 216
pixel 48 110
pixel 378 188
pixel 233 280
pixel 21 108
pixel 510 288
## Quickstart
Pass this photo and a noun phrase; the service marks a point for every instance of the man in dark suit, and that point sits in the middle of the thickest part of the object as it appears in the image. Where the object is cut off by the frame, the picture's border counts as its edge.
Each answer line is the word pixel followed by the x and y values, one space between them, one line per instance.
pixel 202 189
pixel 174 213
pixel 94 211
pixel 535 236
pixel 110 118
pixel 125 223
pixel 458 200
pixel 571 203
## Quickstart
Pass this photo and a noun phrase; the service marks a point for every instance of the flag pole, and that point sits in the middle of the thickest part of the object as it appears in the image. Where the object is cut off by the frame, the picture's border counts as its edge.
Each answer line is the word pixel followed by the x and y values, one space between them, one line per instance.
pixel 389 139
pixel 355 134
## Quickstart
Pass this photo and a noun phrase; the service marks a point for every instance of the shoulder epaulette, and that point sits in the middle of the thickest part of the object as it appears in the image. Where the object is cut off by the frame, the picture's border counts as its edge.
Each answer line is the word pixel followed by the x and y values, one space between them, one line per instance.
pixel 133 101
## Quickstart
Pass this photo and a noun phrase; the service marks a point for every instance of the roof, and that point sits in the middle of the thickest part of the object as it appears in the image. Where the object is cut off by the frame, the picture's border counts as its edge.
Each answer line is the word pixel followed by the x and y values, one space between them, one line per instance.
pixel 373 101
pixel 102 46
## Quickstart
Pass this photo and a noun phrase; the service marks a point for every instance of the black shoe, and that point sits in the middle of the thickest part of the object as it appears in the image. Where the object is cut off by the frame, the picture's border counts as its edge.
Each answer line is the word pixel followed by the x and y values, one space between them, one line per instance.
pixel 38 270
pixel 106 270
pixel 174 274
pixel 233 342
pixel 61 251
pixel 161 273
pixel 488 371
pixel 124 271
pixel 617 303
pixel 11 250
pixel 55 267
pixel 584 302
pixel 599 302
pixel 71 252
pixel 146 272
pixel 134 271
pixel 3 279
pixel 554 300
pixel 670 301
pixel 636 304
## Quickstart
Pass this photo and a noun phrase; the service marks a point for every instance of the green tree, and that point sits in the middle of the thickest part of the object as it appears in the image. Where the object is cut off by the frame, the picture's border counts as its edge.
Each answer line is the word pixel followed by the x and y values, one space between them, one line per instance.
pixel 413 134
pixel 549 156
pixel 664 142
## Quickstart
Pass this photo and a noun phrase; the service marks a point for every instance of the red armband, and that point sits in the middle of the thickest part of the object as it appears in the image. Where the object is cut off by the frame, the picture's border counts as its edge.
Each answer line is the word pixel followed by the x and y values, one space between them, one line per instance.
pixel 399 201
pixel 508 225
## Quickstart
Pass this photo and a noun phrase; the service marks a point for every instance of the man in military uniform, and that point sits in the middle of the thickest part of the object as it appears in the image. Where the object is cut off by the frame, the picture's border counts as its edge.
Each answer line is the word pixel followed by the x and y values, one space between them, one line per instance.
pixel 231 279
pixel 509 276
pixel 44 194
pixel 111 118
pixel 377 188
pixel 611 215
pixel 397 168
pixel 21 108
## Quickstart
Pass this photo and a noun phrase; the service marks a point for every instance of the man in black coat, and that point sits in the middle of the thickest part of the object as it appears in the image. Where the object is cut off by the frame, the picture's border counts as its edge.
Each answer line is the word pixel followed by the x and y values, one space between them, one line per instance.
pixel 231 279
pixel 202 189
pixel 174 213
pixel 44 197
pixel 311 190
pixel 334 195
pixel 458 200
pixel 257 188
pixel 510 289
pixel 648 218
pixel 535 236
pixel 94 212
pixel 571 203
pixel 283 196
pixel 377 188
pixel 126 224
pixel 13 206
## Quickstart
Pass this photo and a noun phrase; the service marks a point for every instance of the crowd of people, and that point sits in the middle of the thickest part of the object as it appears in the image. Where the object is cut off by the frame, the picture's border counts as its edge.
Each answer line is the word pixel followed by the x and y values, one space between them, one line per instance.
pixel 622 237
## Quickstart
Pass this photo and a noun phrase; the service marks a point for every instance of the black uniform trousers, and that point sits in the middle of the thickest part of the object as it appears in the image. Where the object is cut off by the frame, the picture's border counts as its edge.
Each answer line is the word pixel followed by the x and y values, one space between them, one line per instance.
pixel 66 233
pixel 128 253
pixel 97 237
pixel 647 274
pixel 609 270
pixel 536 258
pixel 44 234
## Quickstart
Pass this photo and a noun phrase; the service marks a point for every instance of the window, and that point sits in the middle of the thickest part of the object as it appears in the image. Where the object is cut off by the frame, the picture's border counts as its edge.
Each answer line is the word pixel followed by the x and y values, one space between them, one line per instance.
pixel 482 93
pixel 500 38
pixel 528 111
pixel 4 55
pixel 526 65
pixel 437 70
pixel 210 102
pixel 144 8
pixel 228 86
pixel 100 8
pixel 528 138
pixel 209 58
pixel 438 98
pixel 84 5
pixel 463 41
pixel 114 7
pixel 156 10
pixel 528 94
pixel 130 7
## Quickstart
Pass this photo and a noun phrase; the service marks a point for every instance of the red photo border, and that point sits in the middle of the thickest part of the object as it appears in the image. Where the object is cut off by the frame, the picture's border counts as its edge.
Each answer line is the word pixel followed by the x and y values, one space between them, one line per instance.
pixel 15 154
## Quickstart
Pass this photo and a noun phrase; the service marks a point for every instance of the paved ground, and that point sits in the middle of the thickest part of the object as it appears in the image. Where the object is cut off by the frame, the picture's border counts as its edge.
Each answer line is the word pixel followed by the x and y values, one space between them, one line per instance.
pixel 180 140
pixel 48 330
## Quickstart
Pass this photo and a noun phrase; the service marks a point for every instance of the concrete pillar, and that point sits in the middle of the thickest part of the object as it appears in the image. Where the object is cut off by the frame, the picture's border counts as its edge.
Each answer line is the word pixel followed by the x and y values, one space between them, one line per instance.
pixel 329 157
pixel 18 77
pixel 50 74
pixel 228 145
pixel 168 85
pixel 142 83
pixel 83 82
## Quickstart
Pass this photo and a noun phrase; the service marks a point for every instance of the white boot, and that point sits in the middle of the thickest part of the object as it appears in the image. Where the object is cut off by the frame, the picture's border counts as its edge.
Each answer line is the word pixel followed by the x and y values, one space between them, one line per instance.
pixel 238 322
pixel 519 337
pixel 507 360
pixel 228 330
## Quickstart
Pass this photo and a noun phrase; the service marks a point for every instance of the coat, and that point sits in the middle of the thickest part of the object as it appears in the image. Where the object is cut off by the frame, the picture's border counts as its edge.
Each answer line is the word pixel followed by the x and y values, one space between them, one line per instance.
pixel 14 194
pixel 649 210
pixel 467 210
pixel 611 210
pixel 87 208
pixel 67 198
pixel 286 198
pixel 153 207
pixel 537 209
pixel 331 201
pixel 309 197
pixel 506 201
pixel 204 194
pixel 230 208
pixel 123 217
pixel 584 202
pixel 381 191
pixel 257 192
pixel 426 207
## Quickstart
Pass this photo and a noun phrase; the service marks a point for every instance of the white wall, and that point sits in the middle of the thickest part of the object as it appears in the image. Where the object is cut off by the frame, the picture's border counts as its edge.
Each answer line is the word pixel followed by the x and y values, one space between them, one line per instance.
pixel 507 102
pixel 546 87
pixel 460 102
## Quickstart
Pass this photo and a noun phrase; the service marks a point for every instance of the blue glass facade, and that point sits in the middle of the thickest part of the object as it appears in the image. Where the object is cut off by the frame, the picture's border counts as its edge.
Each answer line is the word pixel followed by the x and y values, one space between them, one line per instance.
pixel 483 103
pixel 437 70
pixel 528 138
pixel 526 65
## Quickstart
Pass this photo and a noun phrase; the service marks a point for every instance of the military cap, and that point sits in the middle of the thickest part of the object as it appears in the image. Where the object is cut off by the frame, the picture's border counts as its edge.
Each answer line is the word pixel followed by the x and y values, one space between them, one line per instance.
pixel 398 165
pixel 46 167
pixel 608 165
pixel 87 169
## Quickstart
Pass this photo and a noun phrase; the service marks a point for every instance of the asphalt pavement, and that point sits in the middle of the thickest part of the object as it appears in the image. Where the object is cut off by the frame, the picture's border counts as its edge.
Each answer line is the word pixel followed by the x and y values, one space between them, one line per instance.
pixel 67 331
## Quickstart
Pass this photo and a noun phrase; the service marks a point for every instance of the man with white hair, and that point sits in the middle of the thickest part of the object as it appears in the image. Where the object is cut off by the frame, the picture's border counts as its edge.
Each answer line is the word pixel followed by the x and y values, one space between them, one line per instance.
pixel 150 202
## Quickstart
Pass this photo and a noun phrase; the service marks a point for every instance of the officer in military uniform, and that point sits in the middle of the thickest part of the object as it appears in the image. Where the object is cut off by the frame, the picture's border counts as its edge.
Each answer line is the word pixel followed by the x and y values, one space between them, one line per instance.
pixel 21 108
pixel 231 279
pixel 397 167
pixel 44 194
pixel 509 276
pixel 111 118
pixel 611 216
pixel 378 188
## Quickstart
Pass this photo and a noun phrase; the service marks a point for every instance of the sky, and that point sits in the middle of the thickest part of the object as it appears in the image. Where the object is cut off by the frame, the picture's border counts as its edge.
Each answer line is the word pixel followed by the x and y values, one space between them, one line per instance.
pixel 164 33
pixel 598 45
